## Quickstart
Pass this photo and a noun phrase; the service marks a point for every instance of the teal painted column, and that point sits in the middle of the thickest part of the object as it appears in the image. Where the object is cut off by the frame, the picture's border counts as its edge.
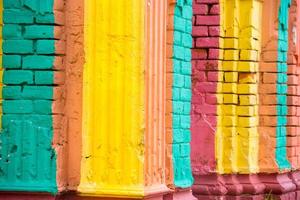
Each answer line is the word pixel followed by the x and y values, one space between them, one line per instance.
pixel 281 140
pixel 181 94
pixel 28 161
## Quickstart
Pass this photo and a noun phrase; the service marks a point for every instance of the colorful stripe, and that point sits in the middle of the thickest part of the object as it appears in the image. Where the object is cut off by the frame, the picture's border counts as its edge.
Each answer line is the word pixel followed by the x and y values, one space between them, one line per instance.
pixel 237 134
pixel 181 94
pixel 28 160
pixel 205 55
pixel 113 99
pixel 281 154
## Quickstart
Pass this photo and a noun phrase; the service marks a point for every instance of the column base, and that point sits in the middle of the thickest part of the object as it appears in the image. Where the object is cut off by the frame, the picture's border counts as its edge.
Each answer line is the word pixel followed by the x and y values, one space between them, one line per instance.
pixel 180 195
pixel 214 184
pixel 277 183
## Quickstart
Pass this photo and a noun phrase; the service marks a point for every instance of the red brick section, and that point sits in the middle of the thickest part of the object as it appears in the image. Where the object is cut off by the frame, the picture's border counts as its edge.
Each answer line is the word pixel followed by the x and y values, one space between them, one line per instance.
pixel 205 55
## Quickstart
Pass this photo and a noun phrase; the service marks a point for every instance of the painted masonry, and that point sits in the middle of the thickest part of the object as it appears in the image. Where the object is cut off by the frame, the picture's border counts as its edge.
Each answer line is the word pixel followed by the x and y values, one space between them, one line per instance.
pixel 150 99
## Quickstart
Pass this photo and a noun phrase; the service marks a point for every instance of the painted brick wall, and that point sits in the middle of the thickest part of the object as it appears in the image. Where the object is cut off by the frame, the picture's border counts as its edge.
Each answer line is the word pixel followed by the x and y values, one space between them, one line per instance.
pixel 181 92
pixel 293 73
pixel 32 94
pixel 205 55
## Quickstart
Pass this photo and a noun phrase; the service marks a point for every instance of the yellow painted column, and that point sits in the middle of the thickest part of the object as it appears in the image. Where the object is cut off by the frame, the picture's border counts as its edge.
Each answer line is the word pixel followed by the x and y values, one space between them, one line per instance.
pixel 237 132
pixel 113 102
pixel 124 94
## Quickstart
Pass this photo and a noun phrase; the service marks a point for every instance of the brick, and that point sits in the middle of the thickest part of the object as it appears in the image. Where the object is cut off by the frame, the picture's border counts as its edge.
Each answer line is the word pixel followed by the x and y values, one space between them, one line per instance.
pixel 39 32
pixel 11 92
pixel 230 98
pixel 214 31
pixel 44 77
pixel 200 31
pixel 38 62
pixel 45 47
pixel 46 18
pixel 248 78
pixel 12 31
pixel 269 77
pixel 12 4
pixel 213 54
pixel 37 92
pixel 215 9
pixel 229 121
pixel 199 54
pixel 248 99
pixel 11 61
pixel 18 46
pixel 247 121
pixel 247 66
pixel 200 9
pixel 207 20
pixel 213 76
pixel 229 88
pixel 267 110
pixel 42 106
pixel 18 77
pixel 246 110
pixel 17 17
pixel 231 77
pixel 17 106
pixel 205 42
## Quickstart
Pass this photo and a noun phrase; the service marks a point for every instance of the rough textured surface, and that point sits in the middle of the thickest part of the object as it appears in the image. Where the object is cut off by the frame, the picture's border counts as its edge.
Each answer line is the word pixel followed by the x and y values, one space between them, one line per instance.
pixel 205 55
pixel 73 87
pixel 30 96
pixel 113 128
pixel 181 93
pixel 281 87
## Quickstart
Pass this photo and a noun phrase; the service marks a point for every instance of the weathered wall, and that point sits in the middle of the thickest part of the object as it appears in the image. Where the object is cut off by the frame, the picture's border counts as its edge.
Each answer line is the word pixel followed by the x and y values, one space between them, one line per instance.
pixel 33 50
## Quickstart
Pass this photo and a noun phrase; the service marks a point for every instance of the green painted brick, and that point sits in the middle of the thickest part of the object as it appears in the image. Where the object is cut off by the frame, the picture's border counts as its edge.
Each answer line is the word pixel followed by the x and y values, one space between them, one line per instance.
pixel 45 47
pixel 187 40
pixel 12 31
pixel 32 4
pixel 8 4
pixel 37 92
pixel 177 37
pixel 187 12
pixel 38 62
pixel 17 106
pixel 178 108
pixel 179 24
pixel 178 52
pixel 11 61
pixel 45 18
pixel 186 95
pixel 41 120
pixel 17 77
pixel 18 17
pixel 12 92
pixel 18 46
pixel 185 121
pixel 42 106
pixel 44 77
pixel 178 80
pixel 185 150
pixel 39 32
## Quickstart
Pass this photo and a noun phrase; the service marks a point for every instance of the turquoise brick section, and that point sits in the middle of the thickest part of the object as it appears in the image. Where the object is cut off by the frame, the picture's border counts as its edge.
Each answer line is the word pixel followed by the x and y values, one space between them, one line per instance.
pixel 28 160
pixel 181 94
pixel 281 141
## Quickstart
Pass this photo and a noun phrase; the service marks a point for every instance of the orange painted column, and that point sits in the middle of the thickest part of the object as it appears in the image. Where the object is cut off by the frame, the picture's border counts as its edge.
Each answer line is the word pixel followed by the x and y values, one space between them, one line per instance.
pixel 267 87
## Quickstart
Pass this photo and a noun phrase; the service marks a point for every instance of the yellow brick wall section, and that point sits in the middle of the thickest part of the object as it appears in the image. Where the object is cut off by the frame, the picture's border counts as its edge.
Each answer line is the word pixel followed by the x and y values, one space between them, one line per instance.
pixel 237 134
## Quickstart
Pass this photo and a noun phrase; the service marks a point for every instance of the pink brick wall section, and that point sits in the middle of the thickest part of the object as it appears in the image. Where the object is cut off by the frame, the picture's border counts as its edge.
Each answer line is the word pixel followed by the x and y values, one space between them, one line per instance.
pixel 205 54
